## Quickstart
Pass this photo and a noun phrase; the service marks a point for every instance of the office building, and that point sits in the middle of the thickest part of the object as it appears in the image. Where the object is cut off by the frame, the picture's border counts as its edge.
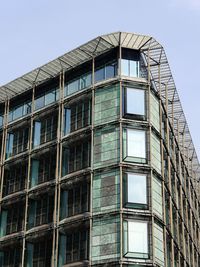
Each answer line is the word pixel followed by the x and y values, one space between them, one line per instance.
pixel 97 163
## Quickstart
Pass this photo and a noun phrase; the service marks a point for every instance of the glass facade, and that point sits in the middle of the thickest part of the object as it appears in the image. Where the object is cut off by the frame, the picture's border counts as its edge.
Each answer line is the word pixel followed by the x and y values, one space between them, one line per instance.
pixel 95 176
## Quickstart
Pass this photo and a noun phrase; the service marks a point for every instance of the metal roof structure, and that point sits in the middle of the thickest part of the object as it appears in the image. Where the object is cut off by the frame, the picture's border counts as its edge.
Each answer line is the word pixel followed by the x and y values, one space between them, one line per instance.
pixel 153 52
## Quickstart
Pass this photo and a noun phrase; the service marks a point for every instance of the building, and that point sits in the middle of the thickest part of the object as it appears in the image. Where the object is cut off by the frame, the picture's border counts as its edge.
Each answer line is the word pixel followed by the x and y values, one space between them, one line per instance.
pixel 98 167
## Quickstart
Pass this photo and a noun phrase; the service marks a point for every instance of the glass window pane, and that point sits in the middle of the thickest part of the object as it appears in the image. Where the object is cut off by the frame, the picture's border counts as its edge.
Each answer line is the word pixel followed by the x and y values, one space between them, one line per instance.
pixel 134 68
pixel 110 70
pixel 137 189
pixel 39 102
pixel 135 101
pixel 73 87
pixel 136 143
pixel 1 120
pixel 9 147
pixel 18 112
pixel 50 97
pixel 85 81
pixel 100 74
pixel 125 67
pixel 137 237
pixel 27 108
pixel 37 133
pixel 67 121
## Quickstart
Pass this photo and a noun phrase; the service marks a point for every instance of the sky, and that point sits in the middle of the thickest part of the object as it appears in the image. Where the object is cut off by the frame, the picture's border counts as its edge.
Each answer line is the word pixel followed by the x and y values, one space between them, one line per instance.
pixel 34 32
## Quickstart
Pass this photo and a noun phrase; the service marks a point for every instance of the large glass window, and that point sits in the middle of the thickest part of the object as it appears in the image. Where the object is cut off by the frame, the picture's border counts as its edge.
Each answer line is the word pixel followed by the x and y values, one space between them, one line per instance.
pixel 19 111
pixel 135 190
pixel 11 257
pixel 40 211
pixel 106 71
pixel 47 98
pixel 134 148
pixel 45 130
pixel 76 156
pixel 17 142
pixel 73 246
pixel 77 116
pixel 136 239
pixel 14 178
pixel 78 83
pixel 130 63
pixel 134 102
pixel 75 200
pixel 43 168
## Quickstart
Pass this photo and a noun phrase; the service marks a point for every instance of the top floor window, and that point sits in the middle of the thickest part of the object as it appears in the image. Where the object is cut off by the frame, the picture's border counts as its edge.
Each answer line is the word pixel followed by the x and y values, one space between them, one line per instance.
pixel 107 71
pixel 134 103
pixel 19 111
pixel 130 63
pixel 1 120
pixel 79 83
pixel 47 98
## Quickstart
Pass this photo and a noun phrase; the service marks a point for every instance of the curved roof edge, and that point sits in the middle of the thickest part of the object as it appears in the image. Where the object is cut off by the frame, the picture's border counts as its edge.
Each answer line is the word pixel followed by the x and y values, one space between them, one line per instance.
pixel 154 56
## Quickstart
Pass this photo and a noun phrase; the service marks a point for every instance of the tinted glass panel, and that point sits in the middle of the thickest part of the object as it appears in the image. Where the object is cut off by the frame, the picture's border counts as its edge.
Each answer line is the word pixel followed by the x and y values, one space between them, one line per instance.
pixel 137 237
pixel 137 189
pixel 135 101
pixel 136 143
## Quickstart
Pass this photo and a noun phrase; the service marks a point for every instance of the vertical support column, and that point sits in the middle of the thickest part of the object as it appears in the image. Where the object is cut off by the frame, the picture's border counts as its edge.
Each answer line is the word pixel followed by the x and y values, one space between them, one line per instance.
pixel 150 155
pixel 56 213
pixel 121 156
pixel 3 148
pixel 28 176
pixel 92 157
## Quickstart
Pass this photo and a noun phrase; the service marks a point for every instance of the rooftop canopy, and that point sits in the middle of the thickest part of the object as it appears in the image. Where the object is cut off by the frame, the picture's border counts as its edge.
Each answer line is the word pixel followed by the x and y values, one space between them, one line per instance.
pixel 155 57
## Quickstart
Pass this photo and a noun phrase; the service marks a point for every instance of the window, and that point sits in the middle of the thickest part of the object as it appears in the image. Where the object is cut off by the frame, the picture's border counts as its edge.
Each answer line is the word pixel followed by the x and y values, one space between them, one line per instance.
pixel 136 239
pixel 38 254
pixel 77 116
pixel 14 178
pixel 78 83
pixel 45 130
pixel 17 142
pixel 42 253
pixel 19 111
pixel 43 168
pixel 134 103
pixel 1 120
pixel 75 200
pixel 106 71
pixel 135 190
pixel 12 219
pixel 10 257
pixel 134 145
pixel 76 156
pixel 47 98
pixel 77 246
pixel 40 211
pixel 130 63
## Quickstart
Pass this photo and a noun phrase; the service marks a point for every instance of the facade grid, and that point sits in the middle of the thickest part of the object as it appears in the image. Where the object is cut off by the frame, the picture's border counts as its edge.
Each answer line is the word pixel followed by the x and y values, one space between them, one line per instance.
pixel 97 163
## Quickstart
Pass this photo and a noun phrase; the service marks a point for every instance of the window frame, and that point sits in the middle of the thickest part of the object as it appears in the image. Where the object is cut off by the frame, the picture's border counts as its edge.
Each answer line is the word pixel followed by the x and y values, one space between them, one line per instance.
pixel 135 254
pixel 129 158
pixel 129 204
pixel 125 102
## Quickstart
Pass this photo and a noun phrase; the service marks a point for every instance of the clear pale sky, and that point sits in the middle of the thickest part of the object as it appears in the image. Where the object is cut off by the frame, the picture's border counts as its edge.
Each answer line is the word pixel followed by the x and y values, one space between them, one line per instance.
pixel 35 32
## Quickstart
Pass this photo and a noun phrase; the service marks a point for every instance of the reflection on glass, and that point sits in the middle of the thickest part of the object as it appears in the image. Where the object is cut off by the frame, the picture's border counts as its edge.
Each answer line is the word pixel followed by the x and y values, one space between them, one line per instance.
pixel 137 189
pixel 99 74
pixel 125 67
pixel 39 102
pixel 135 101
pixel 130 68
pixel 136 143
pixel 138 237
pixel 37 132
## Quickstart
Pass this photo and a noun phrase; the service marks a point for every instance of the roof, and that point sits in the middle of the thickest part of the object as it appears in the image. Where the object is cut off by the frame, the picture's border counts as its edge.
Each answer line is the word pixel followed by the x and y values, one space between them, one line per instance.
pixel 150 49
